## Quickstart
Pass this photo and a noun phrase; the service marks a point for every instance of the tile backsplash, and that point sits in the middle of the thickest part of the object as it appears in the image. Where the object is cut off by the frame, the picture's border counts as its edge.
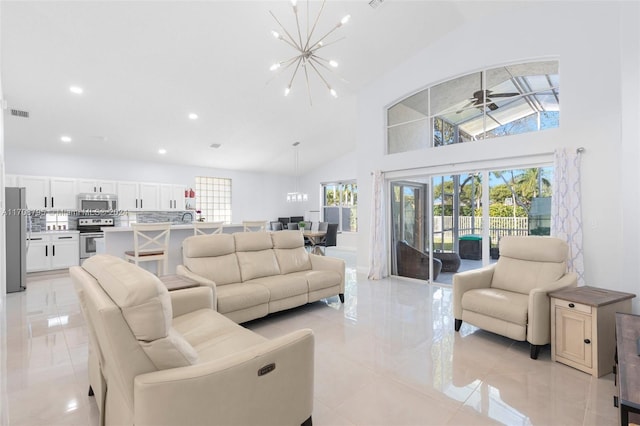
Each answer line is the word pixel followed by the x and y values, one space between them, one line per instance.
pixel 43 222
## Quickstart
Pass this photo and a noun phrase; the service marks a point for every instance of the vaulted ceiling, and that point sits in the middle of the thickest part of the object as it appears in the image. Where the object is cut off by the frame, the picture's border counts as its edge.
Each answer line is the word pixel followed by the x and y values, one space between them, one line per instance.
pixel 145 65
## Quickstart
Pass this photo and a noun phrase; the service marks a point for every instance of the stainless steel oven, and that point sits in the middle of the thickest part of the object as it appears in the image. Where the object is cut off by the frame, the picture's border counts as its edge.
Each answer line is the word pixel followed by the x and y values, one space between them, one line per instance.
pixel 90 231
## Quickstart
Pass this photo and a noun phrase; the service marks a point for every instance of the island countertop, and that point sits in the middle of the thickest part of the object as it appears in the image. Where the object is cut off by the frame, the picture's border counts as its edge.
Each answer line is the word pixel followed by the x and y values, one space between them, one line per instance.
pixel 118 239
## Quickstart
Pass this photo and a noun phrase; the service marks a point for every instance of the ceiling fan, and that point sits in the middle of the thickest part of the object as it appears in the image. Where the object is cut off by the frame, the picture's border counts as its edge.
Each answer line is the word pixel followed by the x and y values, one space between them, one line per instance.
pixel 482 97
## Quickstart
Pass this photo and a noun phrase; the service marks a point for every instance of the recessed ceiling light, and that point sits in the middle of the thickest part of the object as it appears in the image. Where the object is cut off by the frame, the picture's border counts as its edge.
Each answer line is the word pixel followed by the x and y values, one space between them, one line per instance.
pixel 193 116
pixel 65 139
pixel 215 145
pixel 76 89
pixel 162 151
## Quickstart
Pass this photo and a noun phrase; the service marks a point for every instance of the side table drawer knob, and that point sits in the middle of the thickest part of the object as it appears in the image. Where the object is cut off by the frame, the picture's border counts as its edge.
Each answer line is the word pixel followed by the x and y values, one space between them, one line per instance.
pixel 587 341
pixel 571 305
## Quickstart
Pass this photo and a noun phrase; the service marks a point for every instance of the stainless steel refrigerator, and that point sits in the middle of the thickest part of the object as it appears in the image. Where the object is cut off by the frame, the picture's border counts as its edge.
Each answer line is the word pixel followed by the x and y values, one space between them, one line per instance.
pixel 16 238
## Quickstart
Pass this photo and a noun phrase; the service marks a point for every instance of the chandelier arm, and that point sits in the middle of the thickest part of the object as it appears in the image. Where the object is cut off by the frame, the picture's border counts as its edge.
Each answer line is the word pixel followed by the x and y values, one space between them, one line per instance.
pixel 306 74
pixel 319 75
pixel 332 71
pixel 292 42
pixel 315 49
pixel 314 24
pixel 324 36
pixel 288 63
pixel 295 71
pixel 295 11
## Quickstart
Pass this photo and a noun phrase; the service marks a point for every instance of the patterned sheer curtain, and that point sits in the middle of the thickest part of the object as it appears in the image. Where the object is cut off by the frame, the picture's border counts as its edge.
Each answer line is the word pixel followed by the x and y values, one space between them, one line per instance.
pixel 566 210
pixel 377 243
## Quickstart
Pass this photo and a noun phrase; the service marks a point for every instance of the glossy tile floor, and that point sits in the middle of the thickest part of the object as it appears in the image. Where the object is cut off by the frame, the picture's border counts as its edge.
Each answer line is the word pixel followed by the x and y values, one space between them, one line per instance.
pixel 388 356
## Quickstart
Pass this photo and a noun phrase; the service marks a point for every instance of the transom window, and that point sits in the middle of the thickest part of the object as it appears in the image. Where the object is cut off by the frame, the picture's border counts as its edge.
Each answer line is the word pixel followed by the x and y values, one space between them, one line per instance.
pixel 495 102
pixel 213 198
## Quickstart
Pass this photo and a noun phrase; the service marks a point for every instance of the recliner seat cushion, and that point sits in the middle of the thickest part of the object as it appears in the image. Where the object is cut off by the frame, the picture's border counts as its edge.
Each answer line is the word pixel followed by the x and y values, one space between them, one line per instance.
pixel 283 286
pixel 241 296
pixel 491 302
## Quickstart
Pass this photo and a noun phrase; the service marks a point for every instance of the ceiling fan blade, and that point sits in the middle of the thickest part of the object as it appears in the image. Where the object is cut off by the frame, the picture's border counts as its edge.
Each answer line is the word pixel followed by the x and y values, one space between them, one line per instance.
pixel 473 102
pixel 503 95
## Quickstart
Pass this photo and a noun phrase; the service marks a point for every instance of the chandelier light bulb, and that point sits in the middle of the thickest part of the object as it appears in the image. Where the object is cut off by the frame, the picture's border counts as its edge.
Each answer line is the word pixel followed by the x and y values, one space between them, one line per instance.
pixel 333 93
pixel 274 67
pixel 345 19
pixel 294 3
pixel 275 34
pixel 333 63
pixel 287 91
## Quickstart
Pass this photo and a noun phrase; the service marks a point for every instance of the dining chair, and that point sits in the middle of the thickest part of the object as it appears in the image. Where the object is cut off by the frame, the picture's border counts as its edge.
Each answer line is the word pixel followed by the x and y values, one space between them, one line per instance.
pixel 292 226
pixel 322 226
pixel 151 243
pixel 207 228
pixel 276 226
pixel 254 225
pixel 331 238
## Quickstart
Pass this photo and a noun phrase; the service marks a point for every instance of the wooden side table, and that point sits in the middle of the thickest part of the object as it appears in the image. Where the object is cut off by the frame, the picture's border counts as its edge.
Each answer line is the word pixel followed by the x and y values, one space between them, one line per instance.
pixel 583 327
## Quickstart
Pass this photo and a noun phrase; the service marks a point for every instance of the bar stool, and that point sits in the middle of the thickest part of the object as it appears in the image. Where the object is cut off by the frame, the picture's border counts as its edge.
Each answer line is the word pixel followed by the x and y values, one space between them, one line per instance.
pixel 207 228
pixel 254 225
pixel 150 243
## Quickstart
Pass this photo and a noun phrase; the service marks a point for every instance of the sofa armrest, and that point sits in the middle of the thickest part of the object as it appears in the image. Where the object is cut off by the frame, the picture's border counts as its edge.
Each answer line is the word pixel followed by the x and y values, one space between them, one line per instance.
pixel 329 263
pixel 191 299
pixel 469 280
pixel 186 272
pixel 539 315
pixel 231 390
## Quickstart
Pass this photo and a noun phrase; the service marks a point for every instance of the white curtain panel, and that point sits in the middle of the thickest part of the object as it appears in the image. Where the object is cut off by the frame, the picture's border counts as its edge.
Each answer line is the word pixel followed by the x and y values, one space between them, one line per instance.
pixel 566 210
pixel 377 243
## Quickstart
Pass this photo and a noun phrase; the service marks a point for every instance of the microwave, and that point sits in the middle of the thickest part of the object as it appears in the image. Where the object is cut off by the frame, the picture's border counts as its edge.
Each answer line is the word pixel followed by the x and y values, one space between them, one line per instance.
pixel 97 201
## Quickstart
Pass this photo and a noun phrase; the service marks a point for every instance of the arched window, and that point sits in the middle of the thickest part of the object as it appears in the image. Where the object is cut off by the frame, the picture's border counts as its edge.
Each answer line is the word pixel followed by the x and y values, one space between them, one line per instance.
pixel 495 102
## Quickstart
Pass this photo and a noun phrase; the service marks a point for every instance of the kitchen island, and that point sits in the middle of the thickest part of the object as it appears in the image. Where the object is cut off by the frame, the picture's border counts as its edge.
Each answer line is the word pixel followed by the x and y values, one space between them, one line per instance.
pixel 119 239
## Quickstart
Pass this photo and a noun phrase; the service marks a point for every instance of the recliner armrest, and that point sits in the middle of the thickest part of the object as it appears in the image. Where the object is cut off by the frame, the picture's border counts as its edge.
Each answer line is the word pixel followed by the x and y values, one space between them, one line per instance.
pixel 469 280
pixel 237 389
pixel 539 315
pixel 186 272
pixel 191 299
pixel 319 263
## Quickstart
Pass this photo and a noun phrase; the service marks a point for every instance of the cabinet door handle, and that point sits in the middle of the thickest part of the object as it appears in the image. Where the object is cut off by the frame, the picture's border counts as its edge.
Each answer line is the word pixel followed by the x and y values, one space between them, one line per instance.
pixel 571 305
pixel 46 251
pixel 136 203
pixel 100 189
pixel 45 201
pixel 587 341
pixel 94 189
pixel 64 238
pixel 51 202
pixel 53 250
pixel 35 239
pixel 140 202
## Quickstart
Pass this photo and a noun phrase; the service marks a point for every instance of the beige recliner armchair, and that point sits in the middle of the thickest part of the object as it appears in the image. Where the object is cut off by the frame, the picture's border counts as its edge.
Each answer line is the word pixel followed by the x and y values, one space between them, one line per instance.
pixel 168 358
pixel 510 297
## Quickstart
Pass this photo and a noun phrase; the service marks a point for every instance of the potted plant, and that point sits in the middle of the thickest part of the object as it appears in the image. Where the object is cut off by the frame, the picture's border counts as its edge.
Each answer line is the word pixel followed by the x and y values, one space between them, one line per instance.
pixel 301 225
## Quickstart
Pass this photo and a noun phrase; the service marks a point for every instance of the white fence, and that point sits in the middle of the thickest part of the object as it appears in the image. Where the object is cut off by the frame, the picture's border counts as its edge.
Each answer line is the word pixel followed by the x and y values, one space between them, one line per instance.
pixel 498 226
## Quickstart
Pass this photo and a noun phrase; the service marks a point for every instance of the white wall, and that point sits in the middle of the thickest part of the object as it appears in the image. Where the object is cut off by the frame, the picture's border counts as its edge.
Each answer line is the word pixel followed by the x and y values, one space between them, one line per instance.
pixel 599 89
pixel 255 196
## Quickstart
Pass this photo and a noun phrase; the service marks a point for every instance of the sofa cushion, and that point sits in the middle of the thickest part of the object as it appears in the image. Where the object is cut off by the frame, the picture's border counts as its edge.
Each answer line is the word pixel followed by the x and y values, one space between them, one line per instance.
pixel 256 264
pixel 213 335
pixel 252 241
pixel 293 260
pixel 146 307
pixel 495 303
pixel 240 296
pixel 529 262
pixel 283 286
pixel 287 239
pixel 222 269
pixel 318 280
pixel 208 245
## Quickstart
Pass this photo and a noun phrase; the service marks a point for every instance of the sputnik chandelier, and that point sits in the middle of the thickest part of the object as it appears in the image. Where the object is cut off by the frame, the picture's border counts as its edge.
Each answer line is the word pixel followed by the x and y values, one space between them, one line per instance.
pixel 307 50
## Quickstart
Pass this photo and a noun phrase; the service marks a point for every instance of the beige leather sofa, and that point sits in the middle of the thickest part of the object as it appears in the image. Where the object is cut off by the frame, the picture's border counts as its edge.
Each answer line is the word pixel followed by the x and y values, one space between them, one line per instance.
pixel 510 297
pixel 168 358
pixel 253 274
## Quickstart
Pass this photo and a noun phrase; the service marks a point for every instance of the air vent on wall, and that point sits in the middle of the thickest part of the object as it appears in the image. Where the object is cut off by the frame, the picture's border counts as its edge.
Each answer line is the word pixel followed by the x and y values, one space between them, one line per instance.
pixel 19 113
pixel 375 3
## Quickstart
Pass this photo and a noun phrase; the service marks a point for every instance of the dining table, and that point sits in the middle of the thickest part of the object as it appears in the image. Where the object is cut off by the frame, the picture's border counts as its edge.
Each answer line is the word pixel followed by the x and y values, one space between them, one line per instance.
pixel 314 237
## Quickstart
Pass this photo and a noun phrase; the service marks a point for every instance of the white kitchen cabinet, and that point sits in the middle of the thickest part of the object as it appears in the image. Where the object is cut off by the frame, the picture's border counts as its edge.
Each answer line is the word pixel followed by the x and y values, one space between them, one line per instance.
pixel 63 193
pixel 171 197
pixel 45 192
pixel 98 186
pixel 50 251
pixel 136 196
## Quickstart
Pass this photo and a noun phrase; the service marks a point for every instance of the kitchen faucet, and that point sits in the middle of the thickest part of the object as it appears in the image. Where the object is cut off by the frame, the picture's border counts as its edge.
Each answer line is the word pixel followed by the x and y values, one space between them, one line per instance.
pixel 186 213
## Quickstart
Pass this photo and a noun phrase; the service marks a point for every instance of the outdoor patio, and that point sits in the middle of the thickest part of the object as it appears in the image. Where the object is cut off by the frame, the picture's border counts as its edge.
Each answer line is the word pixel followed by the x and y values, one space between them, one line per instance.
pixel 465 265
